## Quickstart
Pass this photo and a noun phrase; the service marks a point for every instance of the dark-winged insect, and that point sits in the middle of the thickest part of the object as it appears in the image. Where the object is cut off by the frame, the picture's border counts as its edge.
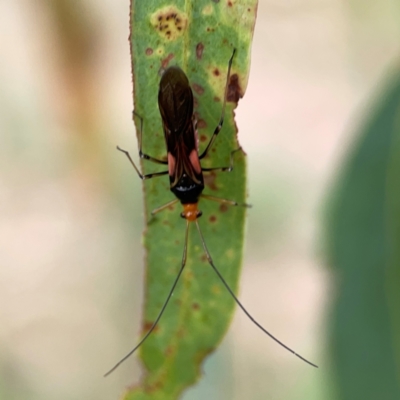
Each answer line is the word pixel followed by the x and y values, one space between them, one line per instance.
pixel 175 101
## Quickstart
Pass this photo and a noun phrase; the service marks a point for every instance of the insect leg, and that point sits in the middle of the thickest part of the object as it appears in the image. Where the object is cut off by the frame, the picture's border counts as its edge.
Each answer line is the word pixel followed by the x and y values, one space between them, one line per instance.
pixel 142 177
pixel 223 169
pixel 141 154
pixel 211 262
pixel 162 309
pixel 221 120
pixel 225 201
pixel 163 207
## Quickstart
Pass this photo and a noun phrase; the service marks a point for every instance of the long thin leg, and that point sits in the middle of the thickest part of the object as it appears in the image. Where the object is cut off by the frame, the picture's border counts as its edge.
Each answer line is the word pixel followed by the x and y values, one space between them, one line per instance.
pixel 221 120
pixel 142 177
pixel 162 309
pixel 225 201
pixel 141 154
pixel 211 262
pixel 228 169
pixel 163 207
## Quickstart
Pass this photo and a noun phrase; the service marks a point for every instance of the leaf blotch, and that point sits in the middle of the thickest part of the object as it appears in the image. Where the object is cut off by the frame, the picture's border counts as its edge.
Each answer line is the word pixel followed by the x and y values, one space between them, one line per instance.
pixel 198 89
pixel 235 92
pixel 199 50
pixel 215 289
pixel 166 60
pixel 223 208
pixel 201 123
pixel 208 9
pixel 209 180
pixel 169 22
pixel 147 326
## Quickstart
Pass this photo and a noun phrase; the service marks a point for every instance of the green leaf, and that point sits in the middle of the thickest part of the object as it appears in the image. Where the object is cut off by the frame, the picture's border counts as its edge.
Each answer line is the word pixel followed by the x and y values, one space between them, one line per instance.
pixel 364 250
pixel 199 36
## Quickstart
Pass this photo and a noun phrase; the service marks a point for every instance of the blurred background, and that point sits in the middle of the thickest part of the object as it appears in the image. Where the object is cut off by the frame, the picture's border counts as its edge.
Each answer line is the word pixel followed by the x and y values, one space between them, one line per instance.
pixel 71 261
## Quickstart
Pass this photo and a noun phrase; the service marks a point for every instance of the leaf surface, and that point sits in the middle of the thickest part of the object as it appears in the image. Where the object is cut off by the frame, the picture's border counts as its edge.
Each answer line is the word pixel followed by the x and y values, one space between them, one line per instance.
pixel 199 37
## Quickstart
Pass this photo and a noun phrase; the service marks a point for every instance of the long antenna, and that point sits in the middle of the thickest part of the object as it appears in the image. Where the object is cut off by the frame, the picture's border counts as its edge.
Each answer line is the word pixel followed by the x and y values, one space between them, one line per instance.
pixel 162 309
pixel 211 262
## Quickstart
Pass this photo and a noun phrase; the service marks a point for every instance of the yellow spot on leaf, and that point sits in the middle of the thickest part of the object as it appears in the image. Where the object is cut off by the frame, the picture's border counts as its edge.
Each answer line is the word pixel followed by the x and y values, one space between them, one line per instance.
pixel 208 10
pixel 230 254
pixel 169 22
pixel 216 289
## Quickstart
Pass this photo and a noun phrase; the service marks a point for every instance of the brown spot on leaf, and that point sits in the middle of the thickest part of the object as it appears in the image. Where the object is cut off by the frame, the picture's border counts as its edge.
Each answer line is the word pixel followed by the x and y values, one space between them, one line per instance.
pixel 166 60
pixel 154 387
pixel 201 124
pixel 195 306
pixel 147 326
pixel 169 351
pixel 212 218
pixel 216 72
pixel 209 180
pixel 149 51
pixel 230 4
pixel 199 50
pixel 203 138
pixel 216 98
pixel 203 258
pixel 198 89
pixel 234 90
pixel 178 302
pixel 223 207
pixel 181 332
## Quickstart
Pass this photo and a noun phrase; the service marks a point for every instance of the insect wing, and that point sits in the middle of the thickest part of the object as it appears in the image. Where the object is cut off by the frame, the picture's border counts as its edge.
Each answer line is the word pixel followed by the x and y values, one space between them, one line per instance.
pixel 175 100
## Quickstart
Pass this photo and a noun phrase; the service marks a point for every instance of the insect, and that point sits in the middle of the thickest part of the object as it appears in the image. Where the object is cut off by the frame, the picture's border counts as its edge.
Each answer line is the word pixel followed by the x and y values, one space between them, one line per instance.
pixel 175 101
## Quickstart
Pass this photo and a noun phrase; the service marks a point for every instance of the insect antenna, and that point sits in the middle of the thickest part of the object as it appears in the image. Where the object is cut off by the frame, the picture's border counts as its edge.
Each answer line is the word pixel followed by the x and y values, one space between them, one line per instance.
pixel 162 309
pixel 211 262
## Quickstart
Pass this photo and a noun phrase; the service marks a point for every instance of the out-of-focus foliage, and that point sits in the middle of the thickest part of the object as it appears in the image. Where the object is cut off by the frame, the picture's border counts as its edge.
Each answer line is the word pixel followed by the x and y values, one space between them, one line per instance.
pixel 364 250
